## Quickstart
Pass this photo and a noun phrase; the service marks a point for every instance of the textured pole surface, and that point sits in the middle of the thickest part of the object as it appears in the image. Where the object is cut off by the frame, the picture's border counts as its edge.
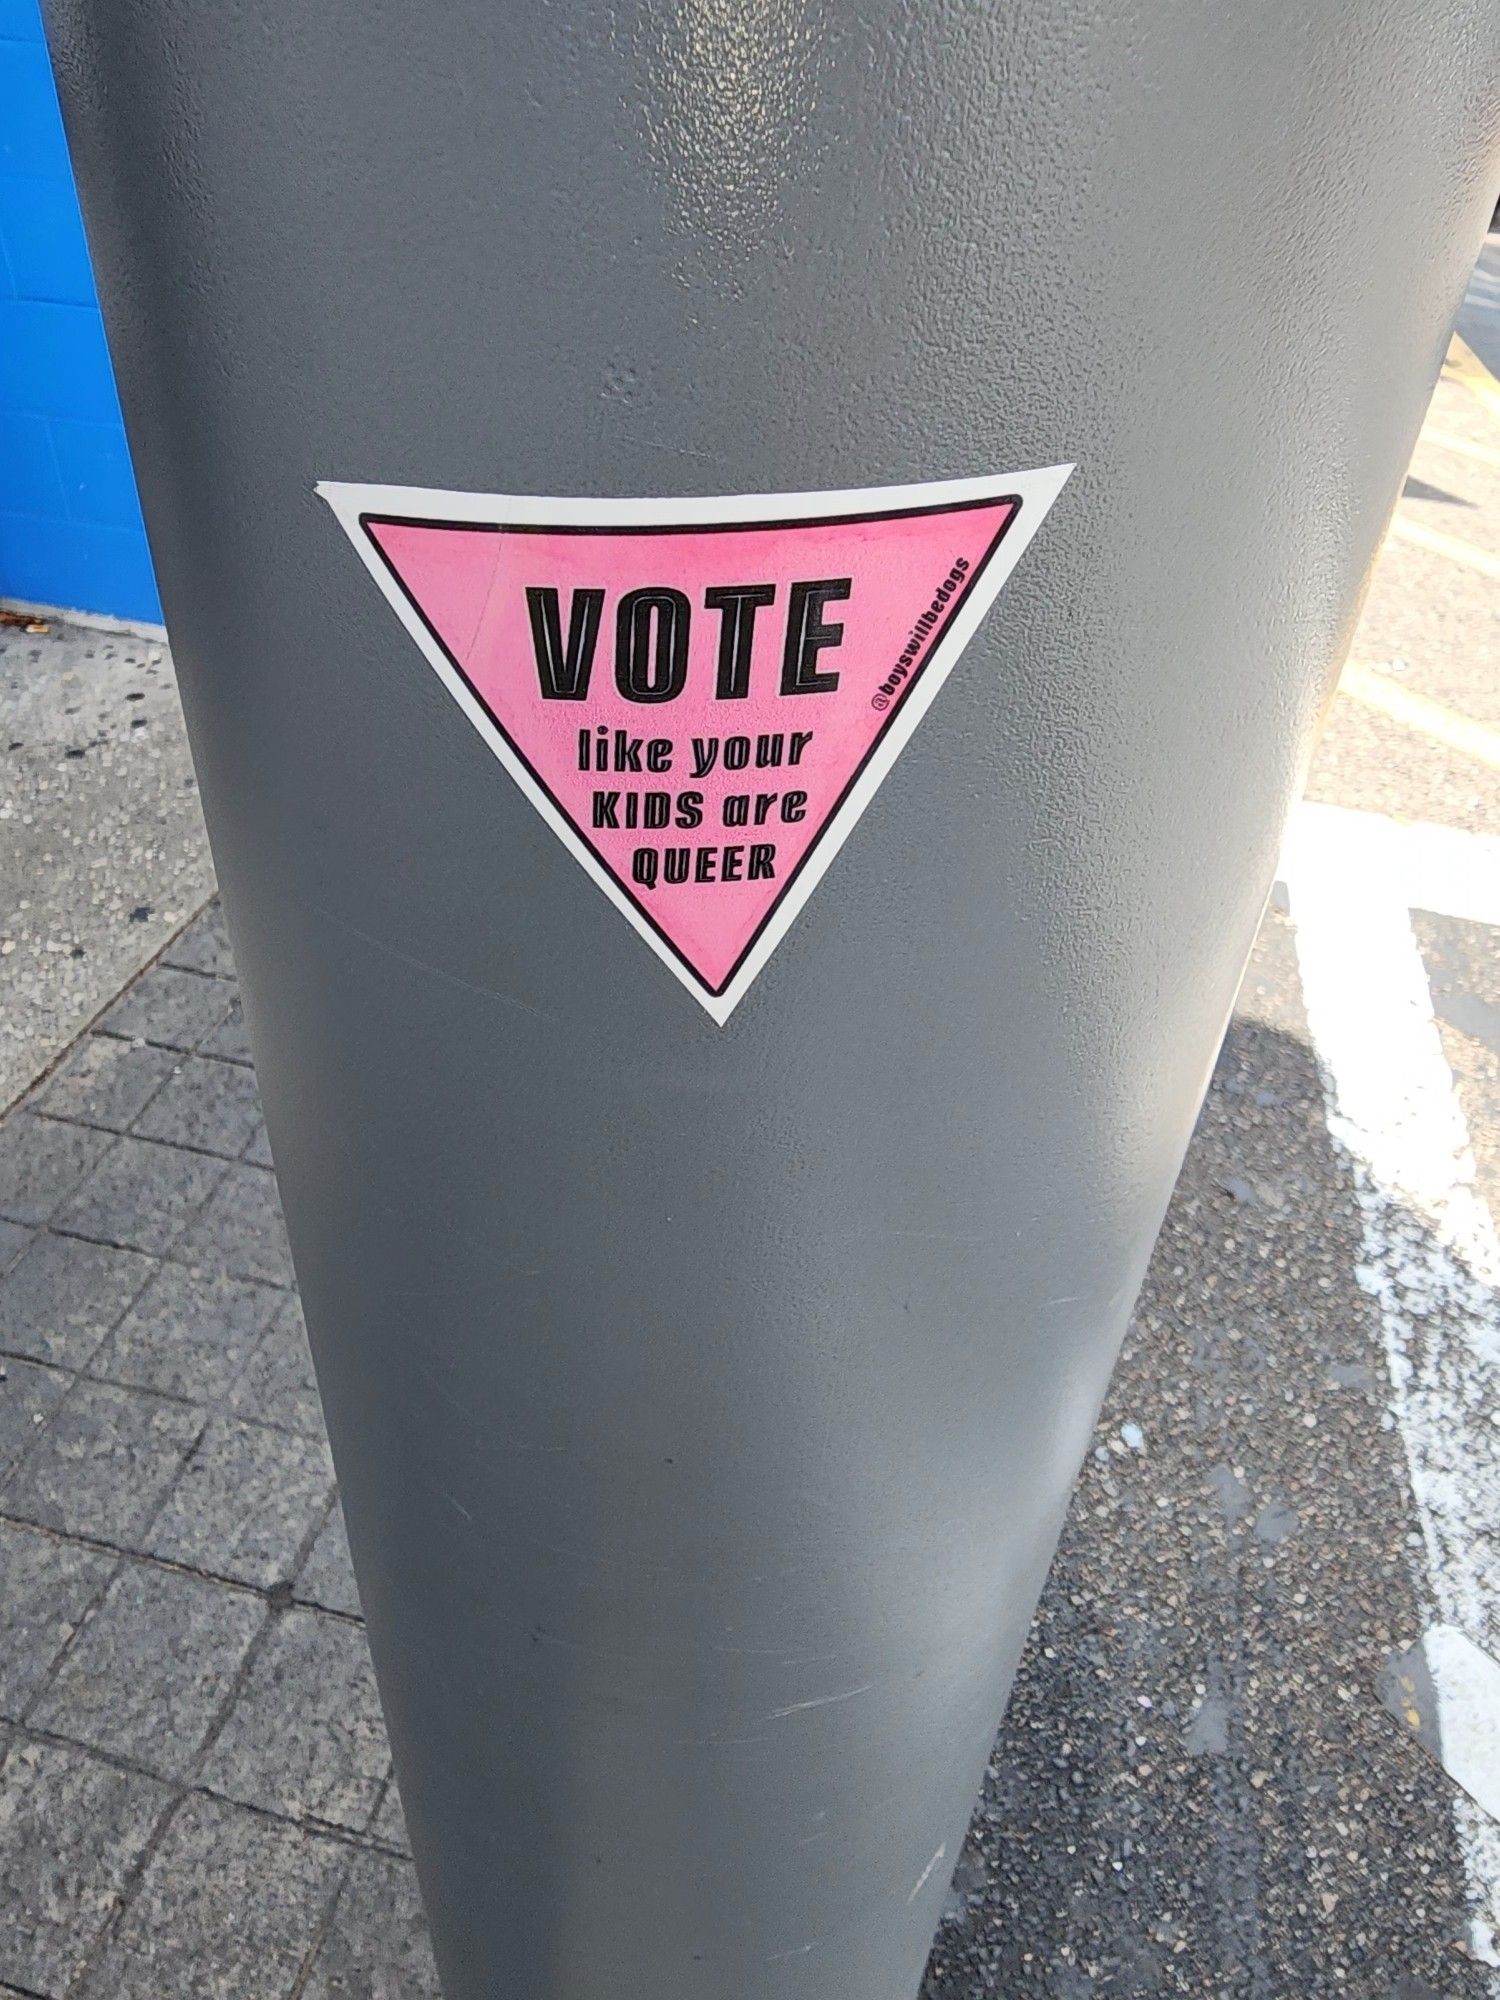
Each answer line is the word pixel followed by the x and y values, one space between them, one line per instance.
pixel 706 1398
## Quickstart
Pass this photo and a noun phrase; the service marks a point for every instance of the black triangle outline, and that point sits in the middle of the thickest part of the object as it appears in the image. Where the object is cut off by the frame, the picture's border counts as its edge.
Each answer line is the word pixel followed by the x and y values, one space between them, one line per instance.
pixel 935 639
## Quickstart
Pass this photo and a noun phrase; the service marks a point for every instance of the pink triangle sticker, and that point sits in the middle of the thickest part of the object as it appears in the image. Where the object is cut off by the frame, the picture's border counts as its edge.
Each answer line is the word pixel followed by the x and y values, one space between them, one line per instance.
pixel 699 696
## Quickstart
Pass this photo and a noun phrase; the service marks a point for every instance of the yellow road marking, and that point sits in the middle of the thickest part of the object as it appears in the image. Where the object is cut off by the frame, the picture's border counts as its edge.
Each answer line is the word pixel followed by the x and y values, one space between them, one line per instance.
pixel 1447 441
pixel 1464 365
pixel 1420 712
pixel 1423 537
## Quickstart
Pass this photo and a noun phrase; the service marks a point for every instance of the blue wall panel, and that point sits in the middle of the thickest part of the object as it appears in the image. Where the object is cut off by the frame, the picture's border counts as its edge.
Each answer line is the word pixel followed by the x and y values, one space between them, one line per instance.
pixel 70 526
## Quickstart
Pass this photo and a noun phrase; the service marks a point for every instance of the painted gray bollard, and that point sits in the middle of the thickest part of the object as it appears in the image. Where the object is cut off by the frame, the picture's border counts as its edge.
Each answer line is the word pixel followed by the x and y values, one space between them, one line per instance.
pixel 739 857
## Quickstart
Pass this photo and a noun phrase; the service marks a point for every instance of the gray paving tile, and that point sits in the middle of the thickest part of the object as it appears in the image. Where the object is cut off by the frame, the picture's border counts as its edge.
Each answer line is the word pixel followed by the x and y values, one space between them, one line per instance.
pixel 71 1830
pixel 278 1385
pixel 105 853
pixel 230 1039
pixel 29 1393
pixel 41 1162
pixel 377 1947
pixel 207 1103
pixel 101 1466
pixel 150 1670
pixel 240 1229
pixel 228 1909
pixel 246 1503
pixel 46 1585
pixel 189 1333
pixel 174 1008
pixel 328 1574
pixel 203 946
pixel 390 1822
pixel 142 1195
pixel 14 1237
pixel 306 1736
pixel 61 1299
pixel 258 1152
pixel 105 1082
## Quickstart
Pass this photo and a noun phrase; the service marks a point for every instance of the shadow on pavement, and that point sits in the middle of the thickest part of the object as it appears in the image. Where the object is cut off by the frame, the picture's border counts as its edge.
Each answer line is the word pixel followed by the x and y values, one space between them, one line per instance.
pixel 1196 1789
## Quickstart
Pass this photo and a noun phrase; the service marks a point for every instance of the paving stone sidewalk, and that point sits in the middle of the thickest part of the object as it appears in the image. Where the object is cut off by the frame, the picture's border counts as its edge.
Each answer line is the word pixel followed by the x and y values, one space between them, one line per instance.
pixel 196 1800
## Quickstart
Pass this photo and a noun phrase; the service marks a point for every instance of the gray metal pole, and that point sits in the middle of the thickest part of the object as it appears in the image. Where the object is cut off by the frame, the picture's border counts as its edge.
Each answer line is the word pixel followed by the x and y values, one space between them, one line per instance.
pixel 711 1310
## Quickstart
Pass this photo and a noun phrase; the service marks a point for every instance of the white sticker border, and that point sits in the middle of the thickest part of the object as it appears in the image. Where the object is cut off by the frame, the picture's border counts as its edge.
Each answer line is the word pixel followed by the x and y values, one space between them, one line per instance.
pixel 1037 490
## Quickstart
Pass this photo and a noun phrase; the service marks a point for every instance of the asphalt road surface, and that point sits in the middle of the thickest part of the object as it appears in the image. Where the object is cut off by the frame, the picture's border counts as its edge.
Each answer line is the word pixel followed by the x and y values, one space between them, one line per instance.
pixel 1274 1612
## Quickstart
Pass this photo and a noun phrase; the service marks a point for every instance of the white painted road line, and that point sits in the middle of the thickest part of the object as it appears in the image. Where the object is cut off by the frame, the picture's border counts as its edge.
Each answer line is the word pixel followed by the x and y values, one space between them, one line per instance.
pixel 1414 710
pixel 1441 440
pixel 1431 1261
pixel 1462 1684
pixel 1485 561
pixel 1422 866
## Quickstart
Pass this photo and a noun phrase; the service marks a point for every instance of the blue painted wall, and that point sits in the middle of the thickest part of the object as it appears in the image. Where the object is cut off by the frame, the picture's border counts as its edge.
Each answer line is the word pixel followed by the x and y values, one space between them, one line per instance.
pixel 70 526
